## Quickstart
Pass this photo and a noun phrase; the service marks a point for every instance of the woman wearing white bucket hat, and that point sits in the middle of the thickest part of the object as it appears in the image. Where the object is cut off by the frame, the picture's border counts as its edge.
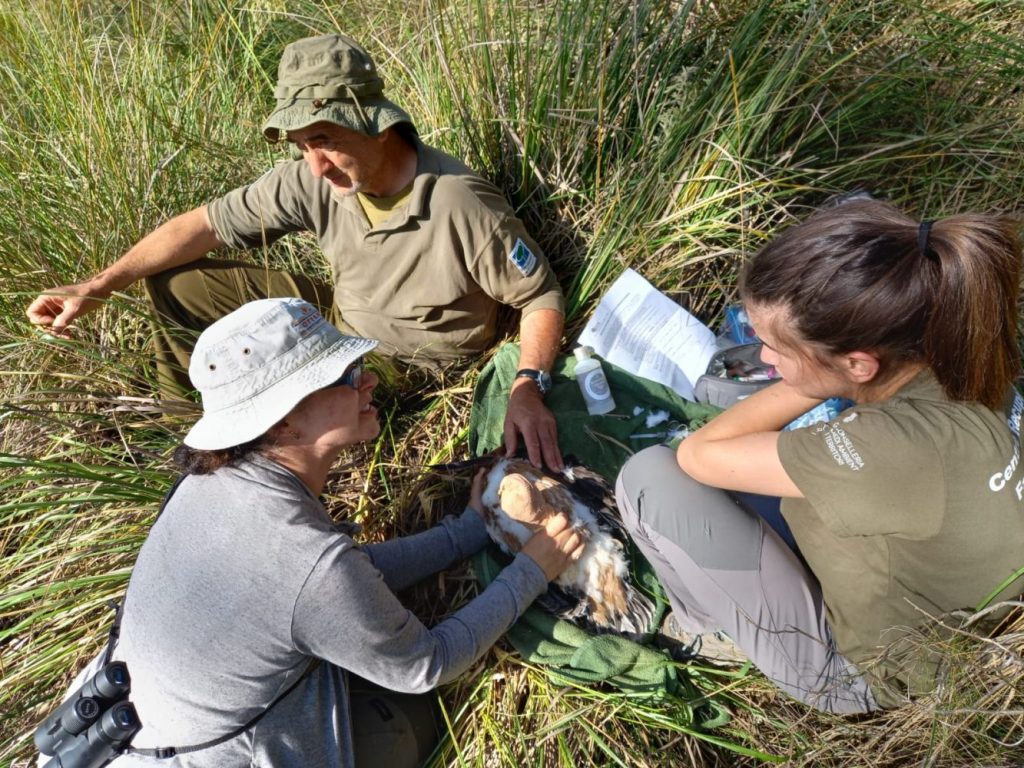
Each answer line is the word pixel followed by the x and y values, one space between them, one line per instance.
pixel 244 582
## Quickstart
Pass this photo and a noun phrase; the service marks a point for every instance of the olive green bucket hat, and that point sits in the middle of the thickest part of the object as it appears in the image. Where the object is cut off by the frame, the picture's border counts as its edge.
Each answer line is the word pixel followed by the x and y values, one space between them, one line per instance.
pixel 330 78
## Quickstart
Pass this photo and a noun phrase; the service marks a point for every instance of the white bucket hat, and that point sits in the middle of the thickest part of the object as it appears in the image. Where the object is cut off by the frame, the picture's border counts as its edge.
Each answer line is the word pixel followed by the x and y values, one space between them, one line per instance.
pixel 254 365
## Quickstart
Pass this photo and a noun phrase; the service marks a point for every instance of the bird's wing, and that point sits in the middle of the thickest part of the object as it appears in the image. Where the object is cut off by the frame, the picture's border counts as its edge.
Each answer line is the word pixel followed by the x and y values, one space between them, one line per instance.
pixel 592 490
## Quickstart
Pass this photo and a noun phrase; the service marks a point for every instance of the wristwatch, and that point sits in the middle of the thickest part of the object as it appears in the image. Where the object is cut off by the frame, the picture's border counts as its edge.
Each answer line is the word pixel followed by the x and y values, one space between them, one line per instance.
pixel 541 378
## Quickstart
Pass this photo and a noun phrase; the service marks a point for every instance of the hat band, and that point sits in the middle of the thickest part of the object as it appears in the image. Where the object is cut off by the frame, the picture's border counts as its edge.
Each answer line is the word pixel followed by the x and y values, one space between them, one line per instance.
pixel 342 92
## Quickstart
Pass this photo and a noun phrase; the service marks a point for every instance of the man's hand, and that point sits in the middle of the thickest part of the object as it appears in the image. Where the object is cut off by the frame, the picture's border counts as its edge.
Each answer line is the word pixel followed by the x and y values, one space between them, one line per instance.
pixel 528 416
pixel 58 308
pixel 181 240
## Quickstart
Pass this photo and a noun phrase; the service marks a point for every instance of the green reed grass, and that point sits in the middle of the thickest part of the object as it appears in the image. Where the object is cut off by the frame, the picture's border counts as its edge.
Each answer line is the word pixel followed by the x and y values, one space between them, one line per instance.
pixel 671 137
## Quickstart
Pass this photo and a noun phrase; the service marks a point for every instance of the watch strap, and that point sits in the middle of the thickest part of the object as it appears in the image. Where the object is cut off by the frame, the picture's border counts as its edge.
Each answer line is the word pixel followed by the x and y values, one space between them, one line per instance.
pixel 541 378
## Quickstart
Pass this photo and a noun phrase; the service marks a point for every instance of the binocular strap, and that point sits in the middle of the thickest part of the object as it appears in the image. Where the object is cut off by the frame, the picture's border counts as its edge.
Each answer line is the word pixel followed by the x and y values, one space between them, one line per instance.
pixel 166 752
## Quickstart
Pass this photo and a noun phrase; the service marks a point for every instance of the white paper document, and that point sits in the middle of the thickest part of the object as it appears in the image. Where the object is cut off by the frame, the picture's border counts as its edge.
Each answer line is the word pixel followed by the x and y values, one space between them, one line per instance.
pixel 642 330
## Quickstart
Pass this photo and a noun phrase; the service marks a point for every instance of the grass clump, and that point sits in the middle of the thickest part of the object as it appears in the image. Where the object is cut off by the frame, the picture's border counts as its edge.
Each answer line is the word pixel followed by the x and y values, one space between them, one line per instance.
pixel 670 137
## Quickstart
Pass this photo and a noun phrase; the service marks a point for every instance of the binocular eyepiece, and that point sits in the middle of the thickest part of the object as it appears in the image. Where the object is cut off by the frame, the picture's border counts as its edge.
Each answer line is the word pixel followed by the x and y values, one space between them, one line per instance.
pixel 102 742
pixel 85 707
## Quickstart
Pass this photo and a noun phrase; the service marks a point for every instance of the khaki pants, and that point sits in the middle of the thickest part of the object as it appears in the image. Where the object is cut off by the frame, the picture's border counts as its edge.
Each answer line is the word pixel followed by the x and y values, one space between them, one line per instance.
pixel 188 299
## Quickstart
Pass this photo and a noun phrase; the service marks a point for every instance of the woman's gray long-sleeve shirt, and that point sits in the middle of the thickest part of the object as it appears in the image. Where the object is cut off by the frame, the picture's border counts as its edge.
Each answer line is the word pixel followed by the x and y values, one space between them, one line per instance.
pixel 244 579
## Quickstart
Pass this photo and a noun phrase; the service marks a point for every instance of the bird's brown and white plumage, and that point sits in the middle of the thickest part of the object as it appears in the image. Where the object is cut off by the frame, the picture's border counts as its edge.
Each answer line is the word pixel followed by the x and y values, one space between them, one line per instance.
pixel 595 591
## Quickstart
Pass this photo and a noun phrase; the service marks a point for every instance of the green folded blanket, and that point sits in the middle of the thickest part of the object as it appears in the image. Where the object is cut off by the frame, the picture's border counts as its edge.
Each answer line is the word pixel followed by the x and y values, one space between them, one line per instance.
pixel 576 656
pixel 602 443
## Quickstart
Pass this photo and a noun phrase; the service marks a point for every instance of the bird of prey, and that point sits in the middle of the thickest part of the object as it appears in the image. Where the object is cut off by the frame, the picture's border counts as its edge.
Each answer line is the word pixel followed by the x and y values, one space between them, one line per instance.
pixel 594 592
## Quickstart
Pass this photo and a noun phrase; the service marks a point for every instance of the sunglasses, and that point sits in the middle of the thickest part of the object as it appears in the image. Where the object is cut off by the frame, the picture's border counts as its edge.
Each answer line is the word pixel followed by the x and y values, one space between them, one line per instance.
pixel 352 377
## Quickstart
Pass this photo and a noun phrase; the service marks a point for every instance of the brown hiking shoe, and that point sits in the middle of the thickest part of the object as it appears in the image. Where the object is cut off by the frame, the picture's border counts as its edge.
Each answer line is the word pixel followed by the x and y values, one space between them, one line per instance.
pixel 714 647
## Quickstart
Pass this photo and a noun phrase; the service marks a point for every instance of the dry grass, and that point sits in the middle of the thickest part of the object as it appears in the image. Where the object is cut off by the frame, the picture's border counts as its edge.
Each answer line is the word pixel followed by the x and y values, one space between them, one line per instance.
pixel 504 711
pixel 672 137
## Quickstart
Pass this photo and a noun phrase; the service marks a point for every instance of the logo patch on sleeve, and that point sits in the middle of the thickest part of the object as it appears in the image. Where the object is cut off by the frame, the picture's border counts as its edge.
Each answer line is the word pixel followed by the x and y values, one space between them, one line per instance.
pixel 523 258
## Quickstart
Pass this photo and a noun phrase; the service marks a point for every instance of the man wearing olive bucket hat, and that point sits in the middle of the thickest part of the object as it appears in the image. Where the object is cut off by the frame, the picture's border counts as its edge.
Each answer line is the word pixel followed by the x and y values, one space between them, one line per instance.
pixel 423 252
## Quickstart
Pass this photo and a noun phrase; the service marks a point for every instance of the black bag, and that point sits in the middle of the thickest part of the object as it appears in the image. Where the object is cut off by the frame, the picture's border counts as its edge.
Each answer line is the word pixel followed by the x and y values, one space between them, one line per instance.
pixel 733 374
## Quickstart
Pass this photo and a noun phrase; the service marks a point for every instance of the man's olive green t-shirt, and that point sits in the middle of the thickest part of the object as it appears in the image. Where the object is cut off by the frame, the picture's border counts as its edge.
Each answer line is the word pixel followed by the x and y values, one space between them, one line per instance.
pixel 913 508
pixel 428 281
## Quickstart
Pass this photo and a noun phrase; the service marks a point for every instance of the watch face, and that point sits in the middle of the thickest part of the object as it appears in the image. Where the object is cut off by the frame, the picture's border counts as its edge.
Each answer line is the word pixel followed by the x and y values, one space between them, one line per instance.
pixel 541 378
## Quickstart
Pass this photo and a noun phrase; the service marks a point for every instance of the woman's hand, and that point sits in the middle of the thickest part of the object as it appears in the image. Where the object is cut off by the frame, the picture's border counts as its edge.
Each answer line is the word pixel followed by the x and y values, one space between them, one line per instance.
pixel 555 547
pixel 476 491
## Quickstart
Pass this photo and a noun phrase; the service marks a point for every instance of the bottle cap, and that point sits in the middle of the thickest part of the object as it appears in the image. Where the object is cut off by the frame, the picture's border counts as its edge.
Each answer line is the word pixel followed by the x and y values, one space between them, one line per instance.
pixel 582 353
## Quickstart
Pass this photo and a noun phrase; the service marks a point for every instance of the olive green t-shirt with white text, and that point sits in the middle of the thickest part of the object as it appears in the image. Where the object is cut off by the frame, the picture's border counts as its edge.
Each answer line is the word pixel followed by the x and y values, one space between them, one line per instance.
pixel 913 508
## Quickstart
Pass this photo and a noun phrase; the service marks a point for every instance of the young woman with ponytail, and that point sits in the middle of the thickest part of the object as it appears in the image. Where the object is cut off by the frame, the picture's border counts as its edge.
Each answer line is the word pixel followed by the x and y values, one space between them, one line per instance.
pixel 906 507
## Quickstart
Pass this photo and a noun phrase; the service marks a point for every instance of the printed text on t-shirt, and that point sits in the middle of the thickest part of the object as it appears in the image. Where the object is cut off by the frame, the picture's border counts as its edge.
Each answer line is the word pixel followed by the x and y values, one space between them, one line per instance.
pixel 999 480
pixel 840 446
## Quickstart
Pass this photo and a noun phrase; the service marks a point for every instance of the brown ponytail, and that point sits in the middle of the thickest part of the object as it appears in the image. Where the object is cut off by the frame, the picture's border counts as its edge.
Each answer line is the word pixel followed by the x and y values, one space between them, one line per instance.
pixel 865 276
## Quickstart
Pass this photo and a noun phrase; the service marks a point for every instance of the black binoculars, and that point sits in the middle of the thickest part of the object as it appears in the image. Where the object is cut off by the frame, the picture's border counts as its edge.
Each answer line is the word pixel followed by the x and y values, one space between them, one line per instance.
pixel 90 728
pixel 101 742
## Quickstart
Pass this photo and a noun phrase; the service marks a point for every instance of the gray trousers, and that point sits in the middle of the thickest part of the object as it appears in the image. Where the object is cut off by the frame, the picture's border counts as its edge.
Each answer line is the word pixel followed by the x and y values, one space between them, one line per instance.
pixel 725 569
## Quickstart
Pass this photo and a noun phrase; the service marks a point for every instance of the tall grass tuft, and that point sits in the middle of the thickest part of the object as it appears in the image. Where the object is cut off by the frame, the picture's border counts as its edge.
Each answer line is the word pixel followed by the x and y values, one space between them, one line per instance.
pixel 673 137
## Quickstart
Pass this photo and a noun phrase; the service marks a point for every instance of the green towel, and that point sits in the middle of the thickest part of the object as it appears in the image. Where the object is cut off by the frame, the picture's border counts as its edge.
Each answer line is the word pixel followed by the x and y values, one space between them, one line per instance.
pixel 602 443
pixel 574 655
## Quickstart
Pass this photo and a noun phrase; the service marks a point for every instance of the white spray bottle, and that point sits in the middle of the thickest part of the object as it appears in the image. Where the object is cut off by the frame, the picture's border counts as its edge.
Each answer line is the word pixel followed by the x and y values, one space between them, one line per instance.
pixel 592 382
